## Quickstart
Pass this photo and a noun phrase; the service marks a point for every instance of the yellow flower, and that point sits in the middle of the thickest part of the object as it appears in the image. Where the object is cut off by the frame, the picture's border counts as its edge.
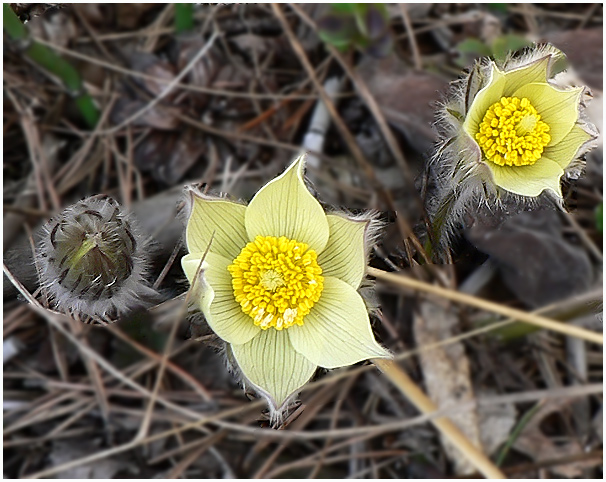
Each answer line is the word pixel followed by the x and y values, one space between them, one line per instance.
pixel 516 126
pixel 279 283
pixel 508 134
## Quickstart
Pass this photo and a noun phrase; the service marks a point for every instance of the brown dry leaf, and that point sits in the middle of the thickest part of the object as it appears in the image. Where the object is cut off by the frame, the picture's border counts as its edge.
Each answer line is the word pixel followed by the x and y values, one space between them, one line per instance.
pixel 158 117
pixel 153 66
pixel 447 376
pixel 56 26
pixel 406 98
pixel 535 444
pixel 205 70
pixel 203 73
pixel 537 263
pixel 168 155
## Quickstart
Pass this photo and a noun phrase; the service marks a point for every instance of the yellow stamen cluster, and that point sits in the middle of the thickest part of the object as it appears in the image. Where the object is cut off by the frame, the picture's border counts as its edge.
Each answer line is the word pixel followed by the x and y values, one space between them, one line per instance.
pixel 512 133
pixel 276 281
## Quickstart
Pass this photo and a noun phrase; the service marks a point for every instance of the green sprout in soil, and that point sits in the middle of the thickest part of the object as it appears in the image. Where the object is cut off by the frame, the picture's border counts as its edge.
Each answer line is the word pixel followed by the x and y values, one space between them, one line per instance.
pixel 51 62
pixel 184 17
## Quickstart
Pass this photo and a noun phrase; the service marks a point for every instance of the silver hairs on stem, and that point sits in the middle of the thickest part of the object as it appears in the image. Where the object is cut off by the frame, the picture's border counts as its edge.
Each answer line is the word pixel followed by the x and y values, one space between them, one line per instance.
pixel 92 260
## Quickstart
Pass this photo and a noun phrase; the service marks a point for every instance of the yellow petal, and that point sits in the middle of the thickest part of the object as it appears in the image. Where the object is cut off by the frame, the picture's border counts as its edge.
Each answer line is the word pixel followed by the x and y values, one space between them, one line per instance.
pixel 337 331
pixel 344 256
pixel 271 364
pixel 530 73
pixel 487 96
pixel 558 108
pixel 224 218
pixel 529 180
pixel 216 298
pixel 285 207
pixel 566 150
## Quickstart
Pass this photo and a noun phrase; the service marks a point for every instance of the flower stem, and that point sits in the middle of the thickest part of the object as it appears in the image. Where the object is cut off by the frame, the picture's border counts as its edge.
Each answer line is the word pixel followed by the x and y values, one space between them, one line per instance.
pixel 516 314
pixel 411 391
pixel 438 225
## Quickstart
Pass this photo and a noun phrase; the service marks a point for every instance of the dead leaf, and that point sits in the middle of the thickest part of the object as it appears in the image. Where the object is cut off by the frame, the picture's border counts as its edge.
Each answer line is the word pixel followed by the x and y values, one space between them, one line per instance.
pixel 168 155
pixel 159 117
pixel 537 263
pixel 406 98
pixel 56 26
pixel 447 376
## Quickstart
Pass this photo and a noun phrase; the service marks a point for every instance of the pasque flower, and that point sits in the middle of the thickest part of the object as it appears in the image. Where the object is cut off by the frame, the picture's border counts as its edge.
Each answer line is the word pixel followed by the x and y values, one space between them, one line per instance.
pixel 279 283
pixel 511 130
pixel 93 261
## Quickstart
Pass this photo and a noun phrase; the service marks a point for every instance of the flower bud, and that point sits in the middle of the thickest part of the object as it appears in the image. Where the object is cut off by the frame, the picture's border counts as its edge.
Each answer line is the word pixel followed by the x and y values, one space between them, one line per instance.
pixel 92 260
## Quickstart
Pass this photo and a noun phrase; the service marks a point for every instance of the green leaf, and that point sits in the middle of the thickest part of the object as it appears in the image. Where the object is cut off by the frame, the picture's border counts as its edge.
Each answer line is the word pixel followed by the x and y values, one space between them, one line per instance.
pixel 184 17
pixel 498 7
pixel 599 217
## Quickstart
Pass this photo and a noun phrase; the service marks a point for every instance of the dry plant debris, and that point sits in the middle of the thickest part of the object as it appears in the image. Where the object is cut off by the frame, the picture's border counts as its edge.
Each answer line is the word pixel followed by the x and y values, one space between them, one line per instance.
pixel 227 105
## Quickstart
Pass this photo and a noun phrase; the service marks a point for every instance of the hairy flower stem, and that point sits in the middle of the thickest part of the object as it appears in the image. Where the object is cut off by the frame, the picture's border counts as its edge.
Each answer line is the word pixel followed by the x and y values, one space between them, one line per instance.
pixel 438 225
pixel 50 61
pixel 531 318
pixel 424 404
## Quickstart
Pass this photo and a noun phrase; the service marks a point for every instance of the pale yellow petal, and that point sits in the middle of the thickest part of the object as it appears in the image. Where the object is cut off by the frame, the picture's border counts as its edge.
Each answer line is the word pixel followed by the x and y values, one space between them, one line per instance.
pixel 344 256
pixel 190 263
pixel 270 363
pixel 337 331
pixel 566 150
pixel 534 72
pixel 224 218
pixel 487 96
pixel 559 109
pixel 285 207
pixel 216 298
pixel 529 180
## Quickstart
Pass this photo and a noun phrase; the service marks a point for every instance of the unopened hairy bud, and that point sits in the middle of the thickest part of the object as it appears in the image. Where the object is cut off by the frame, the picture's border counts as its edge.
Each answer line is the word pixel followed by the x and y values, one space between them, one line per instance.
pixel 92 260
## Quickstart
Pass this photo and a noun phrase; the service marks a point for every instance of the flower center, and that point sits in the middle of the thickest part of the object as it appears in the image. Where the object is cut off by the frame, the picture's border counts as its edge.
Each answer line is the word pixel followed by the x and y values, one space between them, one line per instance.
pixel 512 133
pixel 276 281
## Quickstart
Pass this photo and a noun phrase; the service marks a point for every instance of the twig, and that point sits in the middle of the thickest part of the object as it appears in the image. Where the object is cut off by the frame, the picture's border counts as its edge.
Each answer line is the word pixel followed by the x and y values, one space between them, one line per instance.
pixel 464 298
pixel 411 391
pixel 411 37
pixel 189 87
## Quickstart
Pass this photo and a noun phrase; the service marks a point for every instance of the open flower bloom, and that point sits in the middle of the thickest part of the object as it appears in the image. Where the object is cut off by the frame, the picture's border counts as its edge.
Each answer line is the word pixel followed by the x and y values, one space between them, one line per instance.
pixel 279 283
pixel 515 127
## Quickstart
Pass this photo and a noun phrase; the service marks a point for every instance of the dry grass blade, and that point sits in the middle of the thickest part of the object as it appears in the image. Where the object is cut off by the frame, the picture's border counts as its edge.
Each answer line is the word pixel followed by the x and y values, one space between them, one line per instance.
pixel 193 88
pixel 411 391
pixel 519 315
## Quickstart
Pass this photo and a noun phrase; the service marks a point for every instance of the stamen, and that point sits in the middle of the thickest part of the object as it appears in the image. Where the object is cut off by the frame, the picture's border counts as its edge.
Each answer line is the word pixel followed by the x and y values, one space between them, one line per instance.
pixel 276 281
pixel 512 133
